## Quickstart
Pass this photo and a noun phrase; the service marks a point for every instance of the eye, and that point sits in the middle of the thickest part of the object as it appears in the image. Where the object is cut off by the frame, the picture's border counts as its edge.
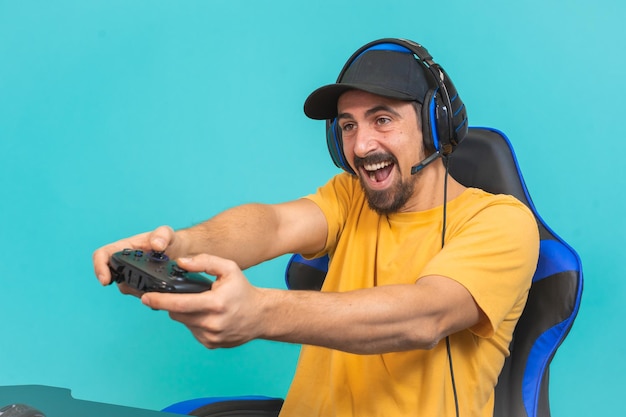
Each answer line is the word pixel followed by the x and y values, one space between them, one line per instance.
pixel 382 120
pixel 348 126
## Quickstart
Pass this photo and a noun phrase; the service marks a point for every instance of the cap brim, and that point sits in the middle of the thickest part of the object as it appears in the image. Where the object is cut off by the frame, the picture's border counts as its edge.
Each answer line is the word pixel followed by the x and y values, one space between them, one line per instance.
pixel 322 103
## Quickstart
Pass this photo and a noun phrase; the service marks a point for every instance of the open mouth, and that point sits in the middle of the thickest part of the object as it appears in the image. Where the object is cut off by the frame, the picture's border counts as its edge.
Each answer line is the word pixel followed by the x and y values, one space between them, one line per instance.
pixel 379 171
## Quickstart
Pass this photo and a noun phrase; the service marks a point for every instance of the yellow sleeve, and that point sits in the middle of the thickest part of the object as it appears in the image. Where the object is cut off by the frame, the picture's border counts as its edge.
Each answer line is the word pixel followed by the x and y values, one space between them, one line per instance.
pixel 334 199
pixel 494 255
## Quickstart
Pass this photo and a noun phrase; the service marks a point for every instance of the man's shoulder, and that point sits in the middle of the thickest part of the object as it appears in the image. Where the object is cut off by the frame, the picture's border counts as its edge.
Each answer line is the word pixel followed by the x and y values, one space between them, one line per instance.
pixel 501 212
pixel 343 187
pixel 476 197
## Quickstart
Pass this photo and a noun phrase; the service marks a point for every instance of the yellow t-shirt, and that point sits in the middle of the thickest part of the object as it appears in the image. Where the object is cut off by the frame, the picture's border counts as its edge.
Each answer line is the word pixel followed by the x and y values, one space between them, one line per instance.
pixel 491 248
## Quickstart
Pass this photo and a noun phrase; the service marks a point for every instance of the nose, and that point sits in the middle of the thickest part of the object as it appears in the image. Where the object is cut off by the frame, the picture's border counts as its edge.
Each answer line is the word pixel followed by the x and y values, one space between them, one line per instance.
pixel 365 141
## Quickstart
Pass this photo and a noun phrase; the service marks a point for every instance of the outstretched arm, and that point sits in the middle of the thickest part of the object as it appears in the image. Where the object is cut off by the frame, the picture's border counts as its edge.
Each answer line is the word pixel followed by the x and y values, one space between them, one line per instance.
pixel 254 233
pixel 373 320
pixel 247 234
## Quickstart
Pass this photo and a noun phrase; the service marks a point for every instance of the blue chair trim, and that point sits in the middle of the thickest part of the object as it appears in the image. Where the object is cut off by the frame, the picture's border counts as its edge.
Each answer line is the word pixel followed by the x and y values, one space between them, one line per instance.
pixel 554 257
pixel 538 359
pixel 320 263
pixel 185 407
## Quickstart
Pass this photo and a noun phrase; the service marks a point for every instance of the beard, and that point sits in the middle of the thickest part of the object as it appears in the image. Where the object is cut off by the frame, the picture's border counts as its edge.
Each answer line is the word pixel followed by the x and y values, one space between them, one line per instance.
pixel 391 200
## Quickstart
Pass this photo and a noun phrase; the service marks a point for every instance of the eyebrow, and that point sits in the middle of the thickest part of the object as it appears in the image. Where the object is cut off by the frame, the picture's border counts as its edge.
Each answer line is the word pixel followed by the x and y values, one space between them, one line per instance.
pixel 370 112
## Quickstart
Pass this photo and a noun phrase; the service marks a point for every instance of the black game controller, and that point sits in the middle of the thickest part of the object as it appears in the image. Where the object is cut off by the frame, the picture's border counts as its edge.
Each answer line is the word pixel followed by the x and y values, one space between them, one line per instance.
pixel 151 271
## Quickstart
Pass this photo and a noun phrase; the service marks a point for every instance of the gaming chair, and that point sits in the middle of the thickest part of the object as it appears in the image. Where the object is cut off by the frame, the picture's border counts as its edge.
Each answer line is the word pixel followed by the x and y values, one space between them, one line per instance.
pixel 484 159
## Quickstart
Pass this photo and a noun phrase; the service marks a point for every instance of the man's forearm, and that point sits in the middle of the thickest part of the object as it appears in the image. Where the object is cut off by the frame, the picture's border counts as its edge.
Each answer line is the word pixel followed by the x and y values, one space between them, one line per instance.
pixel 253 233
pixel 245 234
pixel 374 320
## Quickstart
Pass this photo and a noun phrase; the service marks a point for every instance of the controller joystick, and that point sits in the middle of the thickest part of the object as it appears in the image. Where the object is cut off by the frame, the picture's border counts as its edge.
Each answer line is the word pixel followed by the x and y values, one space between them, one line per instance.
pixel 159 256
pixel 178 272
pixel 154 272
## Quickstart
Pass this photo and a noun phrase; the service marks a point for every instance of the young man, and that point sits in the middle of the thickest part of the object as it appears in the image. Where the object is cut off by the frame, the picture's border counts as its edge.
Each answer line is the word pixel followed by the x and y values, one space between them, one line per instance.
pixel 407 288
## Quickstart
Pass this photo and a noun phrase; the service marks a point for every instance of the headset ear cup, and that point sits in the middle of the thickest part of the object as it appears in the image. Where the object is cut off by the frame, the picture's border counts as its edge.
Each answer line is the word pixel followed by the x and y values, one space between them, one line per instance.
pixel 443 126
pixel 457 114
pixel 429 128
pixel 335 145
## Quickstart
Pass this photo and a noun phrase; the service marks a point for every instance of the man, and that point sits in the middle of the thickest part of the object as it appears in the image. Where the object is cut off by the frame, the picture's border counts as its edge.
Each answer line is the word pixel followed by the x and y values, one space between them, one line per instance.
pixel 427 278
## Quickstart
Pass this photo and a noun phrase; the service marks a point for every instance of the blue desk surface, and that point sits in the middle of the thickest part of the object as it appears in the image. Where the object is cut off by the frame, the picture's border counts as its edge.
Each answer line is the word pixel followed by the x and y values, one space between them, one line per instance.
pixel 58 402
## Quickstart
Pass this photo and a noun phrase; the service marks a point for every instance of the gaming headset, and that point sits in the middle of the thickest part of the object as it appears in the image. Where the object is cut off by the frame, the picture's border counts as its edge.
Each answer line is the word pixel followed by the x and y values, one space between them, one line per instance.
pixel 444 117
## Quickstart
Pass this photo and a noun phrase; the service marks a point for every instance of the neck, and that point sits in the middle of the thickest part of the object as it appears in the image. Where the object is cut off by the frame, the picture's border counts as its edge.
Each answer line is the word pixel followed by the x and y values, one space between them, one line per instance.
pixel 429 188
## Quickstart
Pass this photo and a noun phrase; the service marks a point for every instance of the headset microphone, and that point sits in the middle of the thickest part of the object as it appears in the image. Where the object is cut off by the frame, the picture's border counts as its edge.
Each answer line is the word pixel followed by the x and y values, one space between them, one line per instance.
pixel 417 168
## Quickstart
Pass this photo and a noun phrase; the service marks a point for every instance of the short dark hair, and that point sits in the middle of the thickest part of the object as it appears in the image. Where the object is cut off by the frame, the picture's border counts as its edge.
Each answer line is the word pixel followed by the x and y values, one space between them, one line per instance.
pixel 418 111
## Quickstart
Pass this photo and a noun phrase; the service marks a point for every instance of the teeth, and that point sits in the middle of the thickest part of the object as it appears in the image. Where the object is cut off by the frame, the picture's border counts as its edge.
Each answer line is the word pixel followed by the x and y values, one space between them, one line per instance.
pixel 374 167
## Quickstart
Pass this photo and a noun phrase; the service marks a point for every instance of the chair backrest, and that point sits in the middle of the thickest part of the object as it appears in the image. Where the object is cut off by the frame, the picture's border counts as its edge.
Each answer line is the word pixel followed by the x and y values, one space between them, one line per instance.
pixel 485 159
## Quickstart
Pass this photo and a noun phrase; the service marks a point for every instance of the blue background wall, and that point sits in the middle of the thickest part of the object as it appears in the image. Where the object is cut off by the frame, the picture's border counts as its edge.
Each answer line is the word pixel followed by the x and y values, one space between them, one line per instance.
pixel 119 116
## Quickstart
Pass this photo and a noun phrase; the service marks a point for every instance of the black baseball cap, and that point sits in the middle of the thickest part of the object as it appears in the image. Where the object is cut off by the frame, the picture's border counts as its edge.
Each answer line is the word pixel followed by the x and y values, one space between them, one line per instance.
pixel 393 73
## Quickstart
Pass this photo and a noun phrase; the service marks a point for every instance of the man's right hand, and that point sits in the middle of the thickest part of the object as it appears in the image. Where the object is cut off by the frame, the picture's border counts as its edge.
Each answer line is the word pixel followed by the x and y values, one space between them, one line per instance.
pixel 160 239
